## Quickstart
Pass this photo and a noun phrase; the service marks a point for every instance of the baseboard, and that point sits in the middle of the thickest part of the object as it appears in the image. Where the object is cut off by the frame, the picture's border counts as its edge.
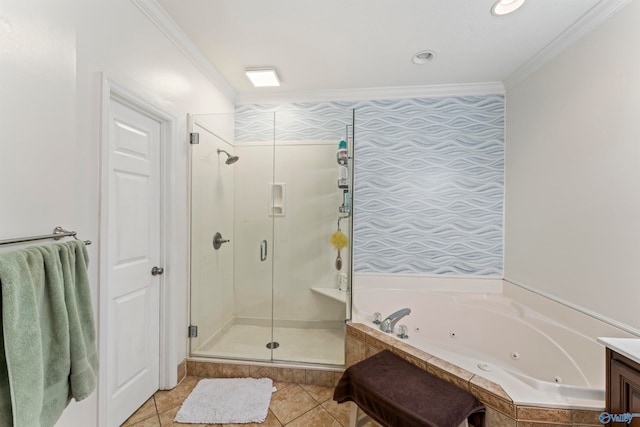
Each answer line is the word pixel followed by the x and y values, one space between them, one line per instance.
pixel 182 370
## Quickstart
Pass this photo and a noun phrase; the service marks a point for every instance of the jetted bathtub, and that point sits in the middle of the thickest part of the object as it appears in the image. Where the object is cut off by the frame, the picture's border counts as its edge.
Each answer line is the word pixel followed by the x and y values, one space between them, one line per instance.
pixel 536 360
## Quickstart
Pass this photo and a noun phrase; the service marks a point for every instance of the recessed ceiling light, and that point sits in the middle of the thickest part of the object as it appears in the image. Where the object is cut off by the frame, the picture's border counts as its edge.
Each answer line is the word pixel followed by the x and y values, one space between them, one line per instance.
pixel 503 7
pixel 263 77
pixel 423 57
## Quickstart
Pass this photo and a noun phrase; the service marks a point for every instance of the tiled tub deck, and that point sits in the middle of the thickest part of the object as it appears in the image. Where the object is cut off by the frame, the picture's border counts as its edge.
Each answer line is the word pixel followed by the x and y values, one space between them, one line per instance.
pixel 363 341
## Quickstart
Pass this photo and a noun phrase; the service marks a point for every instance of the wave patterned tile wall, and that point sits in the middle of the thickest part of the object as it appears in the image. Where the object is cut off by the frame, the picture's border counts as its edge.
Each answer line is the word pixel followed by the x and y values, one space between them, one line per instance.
pixel 293 122
pixel 429 186
pixel 429 178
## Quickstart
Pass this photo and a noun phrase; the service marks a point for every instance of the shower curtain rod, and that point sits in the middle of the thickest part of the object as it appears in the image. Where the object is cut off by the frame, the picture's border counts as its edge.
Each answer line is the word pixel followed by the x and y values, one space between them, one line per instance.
pixel 58 233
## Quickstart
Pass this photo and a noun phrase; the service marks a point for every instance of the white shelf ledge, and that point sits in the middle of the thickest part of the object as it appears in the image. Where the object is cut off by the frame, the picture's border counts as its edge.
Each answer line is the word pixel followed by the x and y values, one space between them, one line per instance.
pixel 333 293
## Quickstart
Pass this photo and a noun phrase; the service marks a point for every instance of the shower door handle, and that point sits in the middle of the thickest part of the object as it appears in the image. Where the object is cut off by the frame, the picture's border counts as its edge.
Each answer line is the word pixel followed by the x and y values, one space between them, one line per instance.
pixel 263 250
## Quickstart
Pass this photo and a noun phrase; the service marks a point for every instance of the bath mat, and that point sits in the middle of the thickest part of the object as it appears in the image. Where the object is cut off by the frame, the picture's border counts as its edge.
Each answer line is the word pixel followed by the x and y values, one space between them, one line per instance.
pixel 227 401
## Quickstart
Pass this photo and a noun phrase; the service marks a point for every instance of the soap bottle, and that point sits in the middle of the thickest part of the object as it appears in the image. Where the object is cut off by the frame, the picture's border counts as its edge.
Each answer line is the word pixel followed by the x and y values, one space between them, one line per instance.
pixel 346 202
pixel 343 155
pixel 343 177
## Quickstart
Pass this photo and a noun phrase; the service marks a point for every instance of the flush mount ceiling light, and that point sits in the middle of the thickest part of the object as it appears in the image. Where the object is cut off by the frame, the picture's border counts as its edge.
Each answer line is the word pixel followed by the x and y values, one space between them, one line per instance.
pixel 263 77
pixel 423 57
pixel 504 7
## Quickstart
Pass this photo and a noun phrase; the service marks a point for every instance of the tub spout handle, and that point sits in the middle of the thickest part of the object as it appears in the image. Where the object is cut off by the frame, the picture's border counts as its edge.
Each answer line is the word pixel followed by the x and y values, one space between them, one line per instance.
pixel 402 332
pixel 389 323
pixel 377 318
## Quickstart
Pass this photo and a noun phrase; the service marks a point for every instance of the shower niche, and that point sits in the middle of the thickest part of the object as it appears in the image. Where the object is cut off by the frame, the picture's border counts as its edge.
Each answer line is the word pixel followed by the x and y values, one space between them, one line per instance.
pixel 273 292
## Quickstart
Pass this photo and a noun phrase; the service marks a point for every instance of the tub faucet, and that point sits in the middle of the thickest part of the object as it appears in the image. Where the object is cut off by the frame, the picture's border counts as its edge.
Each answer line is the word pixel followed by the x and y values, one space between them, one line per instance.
pixel 388 324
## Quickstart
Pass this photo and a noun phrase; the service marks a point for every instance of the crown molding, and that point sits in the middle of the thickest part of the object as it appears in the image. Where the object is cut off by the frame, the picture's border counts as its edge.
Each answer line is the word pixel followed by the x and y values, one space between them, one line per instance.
pixel 368 94
pixel 590 20
pixel 587 23
pixel 168 26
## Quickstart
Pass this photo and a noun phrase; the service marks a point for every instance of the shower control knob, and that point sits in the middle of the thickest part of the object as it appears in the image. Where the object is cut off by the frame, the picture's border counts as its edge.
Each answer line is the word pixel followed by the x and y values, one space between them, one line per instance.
pixel 218 241
pixel 156 271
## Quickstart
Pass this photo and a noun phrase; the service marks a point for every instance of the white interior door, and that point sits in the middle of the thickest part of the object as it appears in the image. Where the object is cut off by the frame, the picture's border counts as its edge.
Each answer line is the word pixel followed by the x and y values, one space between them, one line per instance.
pixel 133 249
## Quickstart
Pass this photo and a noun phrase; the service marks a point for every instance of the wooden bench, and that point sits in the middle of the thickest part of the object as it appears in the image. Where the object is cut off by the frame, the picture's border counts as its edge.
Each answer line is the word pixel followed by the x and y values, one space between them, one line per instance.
pixel 395 393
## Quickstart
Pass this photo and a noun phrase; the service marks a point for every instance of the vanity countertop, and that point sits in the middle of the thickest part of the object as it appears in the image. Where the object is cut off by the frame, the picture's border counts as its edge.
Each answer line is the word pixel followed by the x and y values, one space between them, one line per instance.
pixel 628 347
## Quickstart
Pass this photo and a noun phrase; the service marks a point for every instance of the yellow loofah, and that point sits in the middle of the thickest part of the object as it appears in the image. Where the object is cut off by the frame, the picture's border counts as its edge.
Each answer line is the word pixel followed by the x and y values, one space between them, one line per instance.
pixel 339 240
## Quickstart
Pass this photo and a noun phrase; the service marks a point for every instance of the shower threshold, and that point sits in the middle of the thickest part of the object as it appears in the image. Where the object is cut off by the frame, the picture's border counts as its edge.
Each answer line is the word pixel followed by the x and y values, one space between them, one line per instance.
pixel 296 345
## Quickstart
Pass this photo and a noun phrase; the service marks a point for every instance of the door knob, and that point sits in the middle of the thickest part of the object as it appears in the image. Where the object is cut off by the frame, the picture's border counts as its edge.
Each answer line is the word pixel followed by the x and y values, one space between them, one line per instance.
pixel 156 271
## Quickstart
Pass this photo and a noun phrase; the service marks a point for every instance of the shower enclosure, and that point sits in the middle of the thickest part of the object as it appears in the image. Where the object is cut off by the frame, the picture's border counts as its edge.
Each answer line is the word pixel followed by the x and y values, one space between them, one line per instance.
pixel 265 204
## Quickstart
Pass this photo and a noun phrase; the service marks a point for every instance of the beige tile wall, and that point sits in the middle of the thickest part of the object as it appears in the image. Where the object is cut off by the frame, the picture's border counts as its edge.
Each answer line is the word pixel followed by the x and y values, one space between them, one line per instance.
pixel 321 377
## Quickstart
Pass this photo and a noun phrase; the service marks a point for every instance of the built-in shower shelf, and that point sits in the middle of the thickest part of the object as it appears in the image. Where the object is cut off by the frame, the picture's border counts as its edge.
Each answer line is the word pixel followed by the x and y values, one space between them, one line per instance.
pixel 333 293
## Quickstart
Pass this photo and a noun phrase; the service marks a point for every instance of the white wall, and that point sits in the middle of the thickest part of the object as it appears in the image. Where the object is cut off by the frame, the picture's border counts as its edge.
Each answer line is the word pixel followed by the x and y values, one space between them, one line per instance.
pixel 51 57
pixel 303 255
pixel 573 174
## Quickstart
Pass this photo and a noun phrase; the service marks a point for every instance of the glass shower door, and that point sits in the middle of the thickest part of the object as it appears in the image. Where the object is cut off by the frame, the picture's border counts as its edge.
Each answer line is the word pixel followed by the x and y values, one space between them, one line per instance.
pixel 231 272
pixel 254 247
pixel 268 195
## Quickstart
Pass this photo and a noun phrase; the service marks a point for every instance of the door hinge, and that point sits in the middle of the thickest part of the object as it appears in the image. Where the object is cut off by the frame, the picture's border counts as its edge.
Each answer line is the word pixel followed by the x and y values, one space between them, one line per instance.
pixel 193 331
pixel 194 138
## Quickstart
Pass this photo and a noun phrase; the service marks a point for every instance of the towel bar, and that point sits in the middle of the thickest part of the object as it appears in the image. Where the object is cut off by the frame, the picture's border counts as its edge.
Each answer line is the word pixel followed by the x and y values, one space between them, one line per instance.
pixel 58 233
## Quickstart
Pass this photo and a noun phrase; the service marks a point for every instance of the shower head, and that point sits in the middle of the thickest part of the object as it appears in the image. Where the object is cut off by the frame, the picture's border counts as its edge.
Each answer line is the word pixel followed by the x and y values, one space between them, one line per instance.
pixel 230 159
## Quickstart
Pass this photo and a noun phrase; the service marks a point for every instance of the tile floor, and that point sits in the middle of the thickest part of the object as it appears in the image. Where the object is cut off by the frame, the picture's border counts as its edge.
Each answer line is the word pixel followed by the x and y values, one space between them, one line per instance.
pixel 292 405
pixel 248 342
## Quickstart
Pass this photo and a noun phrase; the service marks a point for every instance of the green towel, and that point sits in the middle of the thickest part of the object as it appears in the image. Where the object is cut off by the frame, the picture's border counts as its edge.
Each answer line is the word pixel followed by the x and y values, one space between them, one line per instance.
pixel 48 349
